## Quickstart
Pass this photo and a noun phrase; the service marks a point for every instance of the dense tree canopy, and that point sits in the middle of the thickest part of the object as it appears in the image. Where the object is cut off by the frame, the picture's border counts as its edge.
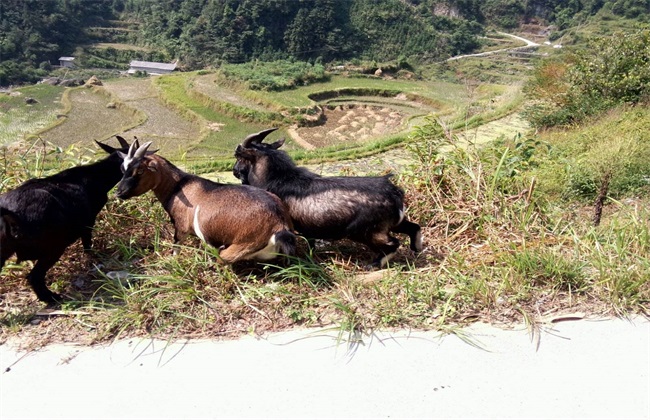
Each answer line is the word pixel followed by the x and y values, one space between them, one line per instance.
pixel 34 33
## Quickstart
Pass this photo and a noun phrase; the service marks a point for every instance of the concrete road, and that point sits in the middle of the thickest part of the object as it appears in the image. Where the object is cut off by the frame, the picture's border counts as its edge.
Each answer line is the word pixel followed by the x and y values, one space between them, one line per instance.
pixel 584 369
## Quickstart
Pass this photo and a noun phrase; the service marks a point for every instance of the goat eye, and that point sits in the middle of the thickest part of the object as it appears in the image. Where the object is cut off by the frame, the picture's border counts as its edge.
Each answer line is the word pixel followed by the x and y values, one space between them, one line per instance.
pixel 140 171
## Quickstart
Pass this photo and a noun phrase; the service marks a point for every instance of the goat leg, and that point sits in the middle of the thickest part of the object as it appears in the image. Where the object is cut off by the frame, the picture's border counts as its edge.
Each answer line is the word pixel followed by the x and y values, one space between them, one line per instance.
pixel 87 238
pixel 178 238
pixel 36 279
pixel 414 232
pixel 386 245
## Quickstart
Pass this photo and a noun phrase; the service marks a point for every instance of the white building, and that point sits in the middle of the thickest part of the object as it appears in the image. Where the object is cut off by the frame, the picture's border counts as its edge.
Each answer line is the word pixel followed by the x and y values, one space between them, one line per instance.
pixel 151 68
pixel 66 62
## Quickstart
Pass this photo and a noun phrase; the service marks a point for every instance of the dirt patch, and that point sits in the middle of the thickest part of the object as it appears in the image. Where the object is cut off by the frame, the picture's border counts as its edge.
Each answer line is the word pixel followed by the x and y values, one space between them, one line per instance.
pixel 350 124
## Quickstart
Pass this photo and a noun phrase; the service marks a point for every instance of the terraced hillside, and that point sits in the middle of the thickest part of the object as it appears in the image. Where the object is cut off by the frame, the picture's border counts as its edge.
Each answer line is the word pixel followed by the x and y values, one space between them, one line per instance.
pixel 201 116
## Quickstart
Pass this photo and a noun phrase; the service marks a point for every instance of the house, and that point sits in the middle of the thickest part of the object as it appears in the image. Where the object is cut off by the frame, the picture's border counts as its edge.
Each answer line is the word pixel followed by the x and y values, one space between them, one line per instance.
pixel 67 62
pixel 151 68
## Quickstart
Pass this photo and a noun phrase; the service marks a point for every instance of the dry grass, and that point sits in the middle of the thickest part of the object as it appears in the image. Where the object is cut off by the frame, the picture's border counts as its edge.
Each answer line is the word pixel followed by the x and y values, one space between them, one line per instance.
pixel 493 252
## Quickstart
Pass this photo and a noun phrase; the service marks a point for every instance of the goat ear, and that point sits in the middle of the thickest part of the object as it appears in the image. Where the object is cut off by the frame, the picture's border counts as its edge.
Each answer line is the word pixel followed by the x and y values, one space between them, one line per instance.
pixel 152 165
pixel 277 144
pixel 108 149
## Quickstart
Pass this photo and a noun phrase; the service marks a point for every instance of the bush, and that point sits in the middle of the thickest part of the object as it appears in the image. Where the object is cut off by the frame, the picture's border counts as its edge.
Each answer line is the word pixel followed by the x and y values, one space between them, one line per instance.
pixel 275 75
pixel 612 71
pixel 613 148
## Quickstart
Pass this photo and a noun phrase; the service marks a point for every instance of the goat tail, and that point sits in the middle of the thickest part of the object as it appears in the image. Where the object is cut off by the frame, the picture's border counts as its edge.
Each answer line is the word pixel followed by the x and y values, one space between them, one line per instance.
pixel 286 242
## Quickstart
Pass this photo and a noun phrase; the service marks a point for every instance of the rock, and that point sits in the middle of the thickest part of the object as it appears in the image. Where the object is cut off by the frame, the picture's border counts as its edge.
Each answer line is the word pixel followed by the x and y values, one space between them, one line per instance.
pixel 93 81
pixel 51 81
pixel 71 82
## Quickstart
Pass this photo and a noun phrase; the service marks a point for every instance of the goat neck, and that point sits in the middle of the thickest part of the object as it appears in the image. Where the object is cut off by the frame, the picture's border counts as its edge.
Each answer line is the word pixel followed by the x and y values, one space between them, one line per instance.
pixel 168 178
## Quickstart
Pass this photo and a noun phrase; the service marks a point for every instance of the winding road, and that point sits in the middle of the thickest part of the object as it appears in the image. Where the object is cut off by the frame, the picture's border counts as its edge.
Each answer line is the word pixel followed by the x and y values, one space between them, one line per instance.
pixel 529 44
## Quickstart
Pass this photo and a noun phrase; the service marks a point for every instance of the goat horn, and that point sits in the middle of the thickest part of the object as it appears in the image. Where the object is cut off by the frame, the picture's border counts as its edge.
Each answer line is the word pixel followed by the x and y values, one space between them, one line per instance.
pixel 257 137
pixel 123 142
pixel 141 150
pixel 132 150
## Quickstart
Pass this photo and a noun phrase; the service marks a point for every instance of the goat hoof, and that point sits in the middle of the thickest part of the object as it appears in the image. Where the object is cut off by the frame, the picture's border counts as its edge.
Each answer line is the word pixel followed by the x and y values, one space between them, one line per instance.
pixel 374 266
pixel 52 299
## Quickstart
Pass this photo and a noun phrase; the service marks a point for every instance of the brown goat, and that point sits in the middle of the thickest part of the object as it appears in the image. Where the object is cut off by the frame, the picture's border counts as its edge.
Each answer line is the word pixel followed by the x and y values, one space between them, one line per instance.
pixel 244 222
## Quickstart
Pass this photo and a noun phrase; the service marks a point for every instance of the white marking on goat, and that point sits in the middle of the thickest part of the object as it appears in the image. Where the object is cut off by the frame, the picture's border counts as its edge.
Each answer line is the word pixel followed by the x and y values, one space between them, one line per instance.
pixel 125 164
pixel 129 156
pixel 401 215
pixel 267 253
pixel 195 224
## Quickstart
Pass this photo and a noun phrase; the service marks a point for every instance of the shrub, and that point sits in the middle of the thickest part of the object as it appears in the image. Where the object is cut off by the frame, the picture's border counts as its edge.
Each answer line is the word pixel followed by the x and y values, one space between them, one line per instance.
pixel 612 71
pixel 275 75
pixel 613 148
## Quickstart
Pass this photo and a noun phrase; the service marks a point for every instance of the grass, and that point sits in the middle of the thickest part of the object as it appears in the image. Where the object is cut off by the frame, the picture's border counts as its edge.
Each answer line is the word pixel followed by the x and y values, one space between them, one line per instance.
pixel 17 120
pixel 494 251
pixel 507 237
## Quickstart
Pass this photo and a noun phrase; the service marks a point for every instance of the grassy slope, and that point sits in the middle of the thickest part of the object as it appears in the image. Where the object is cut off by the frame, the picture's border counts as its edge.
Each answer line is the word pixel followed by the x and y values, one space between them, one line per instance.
pixel 502 243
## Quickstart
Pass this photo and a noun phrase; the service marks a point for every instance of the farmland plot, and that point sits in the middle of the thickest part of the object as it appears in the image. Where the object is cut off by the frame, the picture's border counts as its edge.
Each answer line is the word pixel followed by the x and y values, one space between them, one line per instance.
pixel 18 119
pixel 349 124
pixel 208 85
pixel 89 119
pixel 169 131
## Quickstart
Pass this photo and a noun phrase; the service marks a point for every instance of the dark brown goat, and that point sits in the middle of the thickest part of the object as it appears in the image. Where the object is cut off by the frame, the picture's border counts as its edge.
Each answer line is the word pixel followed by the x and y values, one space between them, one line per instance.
pixel 245 222
pixel 42 217
pixel 364 209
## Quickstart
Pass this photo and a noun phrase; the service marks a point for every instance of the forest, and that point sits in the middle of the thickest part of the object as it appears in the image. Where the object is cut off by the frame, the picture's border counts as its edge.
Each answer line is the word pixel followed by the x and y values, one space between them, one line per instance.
pixel 204 33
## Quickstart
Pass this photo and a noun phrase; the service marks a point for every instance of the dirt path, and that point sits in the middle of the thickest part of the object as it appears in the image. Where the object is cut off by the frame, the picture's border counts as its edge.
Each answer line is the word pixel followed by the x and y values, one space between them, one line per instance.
pixel 529 44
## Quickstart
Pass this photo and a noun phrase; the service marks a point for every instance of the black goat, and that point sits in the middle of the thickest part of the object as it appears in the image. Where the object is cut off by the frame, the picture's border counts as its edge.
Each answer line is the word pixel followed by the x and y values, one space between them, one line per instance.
pixel 364 209
pixel 43 216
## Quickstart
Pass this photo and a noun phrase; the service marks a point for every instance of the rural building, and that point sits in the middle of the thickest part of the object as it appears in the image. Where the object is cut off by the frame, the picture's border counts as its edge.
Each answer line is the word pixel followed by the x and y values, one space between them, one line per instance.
pixel 152 68
pixel 66 62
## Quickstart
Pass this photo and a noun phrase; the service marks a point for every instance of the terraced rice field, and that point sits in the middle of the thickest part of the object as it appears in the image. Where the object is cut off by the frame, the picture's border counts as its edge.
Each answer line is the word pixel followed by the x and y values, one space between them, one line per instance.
pixel 18 119
pixel 89 119
pixel 207 85
pixel 169 131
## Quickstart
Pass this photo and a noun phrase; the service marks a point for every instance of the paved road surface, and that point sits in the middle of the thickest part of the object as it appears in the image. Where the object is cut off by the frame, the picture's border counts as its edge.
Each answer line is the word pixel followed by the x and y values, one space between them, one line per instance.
pixel 584 369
